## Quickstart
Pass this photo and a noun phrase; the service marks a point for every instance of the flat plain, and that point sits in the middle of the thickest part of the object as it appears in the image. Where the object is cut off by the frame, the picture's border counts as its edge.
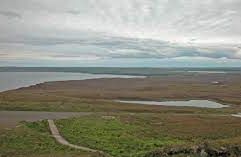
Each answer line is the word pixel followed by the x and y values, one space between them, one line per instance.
pixel 129 129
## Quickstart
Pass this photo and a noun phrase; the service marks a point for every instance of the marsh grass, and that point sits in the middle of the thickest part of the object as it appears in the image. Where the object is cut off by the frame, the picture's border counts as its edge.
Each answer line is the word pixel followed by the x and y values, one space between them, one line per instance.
pixel 135 135
pixel 112 136
pixel 123 134
pixel 33 140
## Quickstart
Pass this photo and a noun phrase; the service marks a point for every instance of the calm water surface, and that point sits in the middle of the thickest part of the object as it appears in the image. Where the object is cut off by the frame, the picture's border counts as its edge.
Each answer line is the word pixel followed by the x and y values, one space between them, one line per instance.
pixel 14 80
pixel 237 115
pixel 209 72
pixel 189 103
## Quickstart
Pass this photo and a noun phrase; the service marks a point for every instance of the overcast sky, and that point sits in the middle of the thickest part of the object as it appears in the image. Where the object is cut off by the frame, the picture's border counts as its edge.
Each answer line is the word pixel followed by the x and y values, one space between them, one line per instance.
pixel 120 33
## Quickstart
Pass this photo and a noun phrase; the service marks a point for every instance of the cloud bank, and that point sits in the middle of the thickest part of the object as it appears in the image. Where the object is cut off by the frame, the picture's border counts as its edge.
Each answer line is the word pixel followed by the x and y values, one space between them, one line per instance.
pixel 129 29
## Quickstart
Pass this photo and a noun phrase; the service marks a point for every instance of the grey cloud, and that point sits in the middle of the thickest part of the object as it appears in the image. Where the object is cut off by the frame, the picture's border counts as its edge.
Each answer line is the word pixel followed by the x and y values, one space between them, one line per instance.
pixel 142 18
pixel 117 47
pixel 3 54
pixel 74 12
pixel 123 29
pixel 10 14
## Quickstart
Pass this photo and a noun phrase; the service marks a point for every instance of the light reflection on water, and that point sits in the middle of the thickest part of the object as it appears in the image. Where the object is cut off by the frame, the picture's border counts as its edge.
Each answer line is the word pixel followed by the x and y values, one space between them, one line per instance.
pixel 13 80
pixel 188 103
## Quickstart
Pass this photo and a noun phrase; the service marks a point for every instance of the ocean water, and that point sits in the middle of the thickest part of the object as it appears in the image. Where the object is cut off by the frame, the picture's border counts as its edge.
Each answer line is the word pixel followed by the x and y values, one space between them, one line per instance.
pixel 14 80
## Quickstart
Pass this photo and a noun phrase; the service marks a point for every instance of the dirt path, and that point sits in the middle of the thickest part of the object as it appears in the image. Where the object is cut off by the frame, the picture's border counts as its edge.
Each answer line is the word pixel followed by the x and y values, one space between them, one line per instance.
pixel 55 132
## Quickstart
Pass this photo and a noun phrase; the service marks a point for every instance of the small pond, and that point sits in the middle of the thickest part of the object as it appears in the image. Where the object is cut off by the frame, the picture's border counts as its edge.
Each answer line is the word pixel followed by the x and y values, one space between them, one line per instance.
pixel 237 115
pixel 188 103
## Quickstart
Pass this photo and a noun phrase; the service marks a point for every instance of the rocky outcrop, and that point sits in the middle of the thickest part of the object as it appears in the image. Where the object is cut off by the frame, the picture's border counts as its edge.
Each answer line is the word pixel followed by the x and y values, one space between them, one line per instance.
pixel 197 151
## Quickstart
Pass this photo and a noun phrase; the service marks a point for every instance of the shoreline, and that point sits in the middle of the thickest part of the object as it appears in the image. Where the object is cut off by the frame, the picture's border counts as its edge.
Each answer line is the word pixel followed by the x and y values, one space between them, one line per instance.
pixel 47 77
